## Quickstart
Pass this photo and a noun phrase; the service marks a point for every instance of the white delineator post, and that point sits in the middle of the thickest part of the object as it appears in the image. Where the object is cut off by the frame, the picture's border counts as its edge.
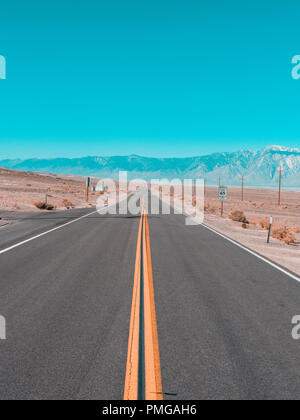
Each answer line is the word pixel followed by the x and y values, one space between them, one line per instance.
pixel 270 228
pixel 87 185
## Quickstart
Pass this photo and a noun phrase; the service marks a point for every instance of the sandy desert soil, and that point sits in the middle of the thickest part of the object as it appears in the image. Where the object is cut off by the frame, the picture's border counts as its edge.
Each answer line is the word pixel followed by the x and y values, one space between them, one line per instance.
pixel 21 190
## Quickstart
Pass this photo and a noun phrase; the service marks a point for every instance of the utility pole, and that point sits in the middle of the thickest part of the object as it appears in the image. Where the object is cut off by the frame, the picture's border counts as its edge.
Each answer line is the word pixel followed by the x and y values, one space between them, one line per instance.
pixel 242 188
pixel 279 186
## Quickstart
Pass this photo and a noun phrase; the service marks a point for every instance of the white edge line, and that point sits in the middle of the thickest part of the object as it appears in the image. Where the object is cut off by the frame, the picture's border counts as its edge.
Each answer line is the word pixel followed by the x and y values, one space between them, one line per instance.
pixel 56 228
pixel 253 253
pixel 45 233
pixel 248 250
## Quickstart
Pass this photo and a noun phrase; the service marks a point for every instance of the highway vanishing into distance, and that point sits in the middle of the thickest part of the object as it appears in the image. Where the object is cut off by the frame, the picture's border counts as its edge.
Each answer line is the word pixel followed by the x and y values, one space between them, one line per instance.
pixel 86 304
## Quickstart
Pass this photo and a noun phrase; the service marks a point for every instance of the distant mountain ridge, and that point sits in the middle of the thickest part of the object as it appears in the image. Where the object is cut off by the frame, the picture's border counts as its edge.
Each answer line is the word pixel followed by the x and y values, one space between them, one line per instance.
pixel 260 168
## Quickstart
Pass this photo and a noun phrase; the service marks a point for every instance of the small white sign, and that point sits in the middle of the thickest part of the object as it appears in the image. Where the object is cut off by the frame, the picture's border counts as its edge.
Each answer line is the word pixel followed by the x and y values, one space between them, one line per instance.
pixel 222 193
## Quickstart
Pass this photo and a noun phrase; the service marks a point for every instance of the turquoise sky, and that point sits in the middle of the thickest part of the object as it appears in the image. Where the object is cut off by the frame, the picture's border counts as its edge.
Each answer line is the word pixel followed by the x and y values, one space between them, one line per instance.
pixel 156 78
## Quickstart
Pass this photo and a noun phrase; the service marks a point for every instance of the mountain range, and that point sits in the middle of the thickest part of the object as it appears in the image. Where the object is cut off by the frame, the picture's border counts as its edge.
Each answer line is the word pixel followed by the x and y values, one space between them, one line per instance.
pixel 260 168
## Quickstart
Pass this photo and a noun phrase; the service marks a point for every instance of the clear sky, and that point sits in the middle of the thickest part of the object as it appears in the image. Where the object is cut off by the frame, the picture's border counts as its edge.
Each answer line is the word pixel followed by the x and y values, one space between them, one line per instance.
pixel 155 78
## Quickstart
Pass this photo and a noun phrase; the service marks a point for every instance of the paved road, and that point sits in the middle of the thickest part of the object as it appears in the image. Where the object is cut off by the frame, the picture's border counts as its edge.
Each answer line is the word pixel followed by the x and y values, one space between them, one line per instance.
pixel 224 316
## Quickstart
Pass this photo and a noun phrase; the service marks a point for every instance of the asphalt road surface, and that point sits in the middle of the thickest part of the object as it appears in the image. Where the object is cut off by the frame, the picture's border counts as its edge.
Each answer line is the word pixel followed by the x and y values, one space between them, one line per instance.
pixel 223 315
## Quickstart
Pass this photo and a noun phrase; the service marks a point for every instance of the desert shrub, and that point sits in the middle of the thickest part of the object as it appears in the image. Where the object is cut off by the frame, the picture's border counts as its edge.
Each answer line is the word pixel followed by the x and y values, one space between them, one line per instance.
pixel 43 206
pixel 238 216
pixel 244 226
pixel 67 203
pixel 284 234
pixel 265 224
pixel 294 230
pixel 40 205
pixel 255 221
pixel 208 208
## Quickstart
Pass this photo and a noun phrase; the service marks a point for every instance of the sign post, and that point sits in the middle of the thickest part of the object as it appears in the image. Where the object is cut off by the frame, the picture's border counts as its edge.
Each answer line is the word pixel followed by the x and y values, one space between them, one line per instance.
pixel 222 197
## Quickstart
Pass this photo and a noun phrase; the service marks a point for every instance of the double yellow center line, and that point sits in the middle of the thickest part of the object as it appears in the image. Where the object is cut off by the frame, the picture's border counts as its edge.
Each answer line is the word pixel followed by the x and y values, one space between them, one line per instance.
pixel 143 374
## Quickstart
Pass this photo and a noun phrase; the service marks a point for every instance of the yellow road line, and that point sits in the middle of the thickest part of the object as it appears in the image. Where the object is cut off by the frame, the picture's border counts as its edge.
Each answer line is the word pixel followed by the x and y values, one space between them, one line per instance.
pixel 153 384
pixel 131 379
pixel 152 374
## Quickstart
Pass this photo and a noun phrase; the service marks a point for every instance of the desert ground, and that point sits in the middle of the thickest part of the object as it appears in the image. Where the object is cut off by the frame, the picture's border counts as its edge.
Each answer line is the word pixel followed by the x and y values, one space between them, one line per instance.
pixel 24 190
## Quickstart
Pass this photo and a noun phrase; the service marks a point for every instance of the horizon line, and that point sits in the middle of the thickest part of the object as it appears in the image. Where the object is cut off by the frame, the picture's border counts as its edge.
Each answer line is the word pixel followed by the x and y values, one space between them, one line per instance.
pixel 285 148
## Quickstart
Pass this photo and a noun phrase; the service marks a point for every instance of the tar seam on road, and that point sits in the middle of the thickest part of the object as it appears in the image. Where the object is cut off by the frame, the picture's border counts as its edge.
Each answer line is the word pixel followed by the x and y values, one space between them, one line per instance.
pixel 143 373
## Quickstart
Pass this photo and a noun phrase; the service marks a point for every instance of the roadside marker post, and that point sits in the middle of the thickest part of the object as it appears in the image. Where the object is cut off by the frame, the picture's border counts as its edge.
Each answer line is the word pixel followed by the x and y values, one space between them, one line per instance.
pixel 222 192
pixel 88 184
pixel 270 228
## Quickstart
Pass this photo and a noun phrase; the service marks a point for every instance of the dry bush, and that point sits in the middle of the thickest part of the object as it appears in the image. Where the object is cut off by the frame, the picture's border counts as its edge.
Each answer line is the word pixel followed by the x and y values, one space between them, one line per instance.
pixel 295 230
pixel 284 234
pixel 67 203
pixel 255 221
pixel 244 226
pixel 265 224
pixel 208 208
pixel 238 216
pixel 43 206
